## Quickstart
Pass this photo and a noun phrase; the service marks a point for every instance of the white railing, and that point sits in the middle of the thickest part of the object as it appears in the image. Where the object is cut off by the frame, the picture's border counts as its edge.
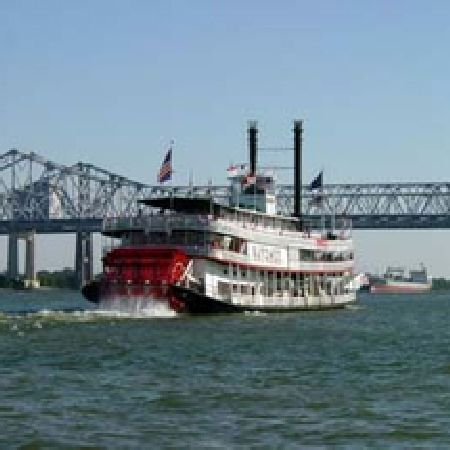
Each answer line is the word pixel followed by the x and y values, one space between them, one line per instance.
pixel 284 300
pixel 155 222
pixel 231 223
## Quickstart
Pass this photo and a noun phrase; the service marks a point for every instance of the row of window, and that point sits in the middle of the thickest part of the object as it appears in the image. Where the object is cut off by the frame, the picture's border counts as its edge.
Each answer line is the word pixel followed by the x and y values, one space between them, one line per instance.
pixel 272 274
pixel 229 243
pixel 318 255
pixel 314 285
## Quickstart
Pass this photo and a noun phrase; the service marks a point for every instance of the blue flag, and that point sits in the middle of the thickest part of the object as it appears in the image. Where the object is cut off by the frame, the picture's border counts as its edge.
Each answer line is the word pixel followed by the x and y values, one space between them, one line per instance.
pixel 317 182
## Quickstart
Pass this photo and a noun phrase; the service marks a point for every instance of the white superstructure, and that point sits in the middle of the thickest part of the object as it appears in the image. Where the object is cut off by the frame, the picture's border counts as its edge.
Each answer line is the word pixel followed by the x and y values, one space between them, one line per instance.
pixel 203 256
pixel 244 257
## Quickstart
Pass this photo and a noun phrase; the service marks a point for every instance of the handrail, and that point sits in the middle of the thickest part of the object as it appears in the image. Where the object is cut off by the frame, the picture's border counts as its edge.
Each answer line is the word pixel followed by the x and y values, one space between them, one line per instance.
pixel 147 223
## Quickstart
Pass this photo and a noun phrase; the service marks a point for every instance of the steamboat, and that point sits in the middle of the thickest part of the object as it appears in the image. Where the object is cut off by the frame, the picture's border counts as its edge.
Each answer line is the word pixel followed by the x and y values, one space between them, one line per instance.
pixel 201 256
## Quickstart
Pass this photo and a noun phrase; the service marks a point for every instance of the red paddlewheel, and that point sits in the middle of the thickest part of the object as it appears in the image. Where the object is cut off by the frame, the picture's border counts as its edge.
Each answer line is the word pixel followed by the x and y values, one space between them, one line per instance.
pixel 144 269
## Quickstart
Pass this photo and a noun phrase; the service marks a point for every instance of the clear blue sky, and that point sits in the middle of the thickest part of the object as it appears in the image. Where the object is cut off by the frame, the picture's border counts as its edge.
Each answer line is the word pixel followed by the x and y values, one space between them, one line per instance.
pixel 112 83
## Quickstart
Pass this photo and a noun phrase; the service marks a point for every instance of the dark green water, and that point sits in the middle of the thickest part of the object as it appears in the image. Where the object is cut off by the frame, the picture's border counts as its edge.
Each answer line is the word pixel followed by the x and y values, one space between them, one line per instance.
pixel 375 375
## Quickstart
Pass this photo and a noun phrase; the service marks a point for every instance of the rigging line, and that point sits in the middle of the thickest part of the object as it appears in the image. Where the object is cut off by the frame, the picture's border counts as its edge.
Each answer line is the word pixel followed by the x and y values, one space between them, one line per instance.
pixel 277 167
pixel 275 149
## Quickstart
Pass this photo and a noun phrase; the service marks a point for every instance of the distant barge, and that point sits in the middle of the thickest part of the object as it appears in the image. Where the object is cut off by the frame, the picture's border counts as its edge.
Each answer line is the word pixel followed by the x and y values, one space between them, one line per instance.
pixel 397 280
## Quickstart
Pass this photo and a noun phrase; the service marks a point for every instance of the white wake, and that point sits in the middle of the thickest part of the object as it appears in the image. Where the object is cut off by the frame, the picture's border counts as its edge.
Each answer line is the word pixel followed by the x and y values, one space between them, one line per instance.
pixel 135 307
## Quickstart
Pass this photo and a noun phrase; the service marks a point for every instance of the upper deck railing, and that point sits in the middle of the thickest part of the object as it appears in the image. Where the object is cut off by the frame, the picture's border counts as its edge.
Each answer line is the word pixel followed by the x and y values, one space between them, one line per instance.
pixel 334 228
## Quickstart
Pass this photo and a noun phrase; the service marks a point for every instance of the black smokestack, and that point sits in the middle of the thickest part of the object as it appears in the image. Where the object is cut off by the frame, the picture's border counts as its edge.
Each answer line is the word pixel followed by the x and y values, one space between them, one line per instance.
pixel 253 145
pixel 298 130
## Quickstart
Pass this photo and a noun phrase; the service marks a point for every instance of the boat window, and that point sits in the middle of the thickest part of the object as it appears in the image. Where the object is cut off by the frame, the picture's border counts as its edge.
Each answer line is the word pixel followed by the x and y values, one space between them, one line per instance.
pixel 226 242
pixel 278 281
pixel 218 241
pixel 178 237
pixel 194 237
pixel 157 237
pixel 306 255
pixel 224 288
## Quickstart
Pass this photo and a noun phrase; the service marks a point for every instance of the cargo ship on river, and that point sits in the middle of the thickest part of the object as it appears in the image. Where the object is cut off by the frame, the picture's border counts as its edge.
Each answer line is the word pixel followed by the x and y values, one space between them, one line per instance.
pixel 397 280
pixel 201 256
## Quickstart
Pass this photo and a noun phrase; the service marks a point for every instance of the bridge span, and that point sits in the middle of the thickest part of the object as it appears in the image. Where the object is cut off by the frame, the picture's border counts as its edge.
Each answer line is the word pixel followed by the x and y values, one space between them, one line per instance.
pixel 41 196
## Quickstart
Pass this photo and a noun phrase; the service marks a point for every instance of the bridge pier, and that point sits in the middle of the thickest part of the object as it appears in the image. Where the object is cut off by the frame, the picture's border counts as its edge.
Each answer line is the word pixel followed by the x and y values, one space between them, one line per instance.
pixel 29 280
pixel 84 257
pixel 13 256
pixel 30 270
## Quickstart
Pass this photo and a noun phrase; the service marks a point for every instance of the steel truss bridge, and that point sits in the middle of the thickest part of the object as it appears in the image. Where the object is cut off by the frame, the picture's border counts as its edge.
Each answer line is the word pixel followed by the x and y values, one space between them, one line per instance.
pixel 41 196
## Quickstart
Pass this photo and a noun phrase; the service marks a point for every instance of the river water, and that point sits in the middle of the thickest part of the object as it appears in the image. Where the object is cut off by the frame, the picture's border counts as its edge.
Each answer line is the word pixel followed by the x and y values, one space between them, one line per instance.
pixel 374 375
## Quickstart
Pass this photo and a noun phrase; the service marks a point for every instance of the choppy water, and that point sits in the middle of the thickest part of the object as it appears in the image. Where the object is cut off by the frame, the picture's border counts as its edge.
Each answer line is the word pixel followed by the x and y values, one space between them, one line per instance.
pixel 374 375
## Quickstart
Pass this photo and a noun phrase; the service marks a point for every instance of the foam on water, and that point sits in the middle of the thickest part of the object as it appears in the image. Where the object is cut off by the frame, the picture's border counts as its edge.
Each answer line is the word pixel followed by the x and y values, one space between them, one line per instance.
pixel 354 307
pixel 255 313
pixel 116 308
pixel 136 307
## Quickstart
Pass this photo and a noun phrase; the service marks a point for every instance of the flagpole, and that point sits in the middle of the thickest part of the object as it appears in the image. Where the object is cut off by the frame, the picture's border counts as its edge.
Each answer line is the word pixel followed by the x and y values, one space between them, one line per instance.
pixel 322 211
pixel 254 194
pixel 333 217
pixel 322 203
pixel 171 178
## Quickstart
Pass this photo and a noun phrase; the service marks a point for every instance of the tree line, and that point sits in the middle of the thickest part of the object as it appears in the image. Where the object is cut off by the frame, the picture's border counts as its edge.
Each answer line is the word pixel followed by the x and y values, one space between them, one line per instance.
pixel 62 279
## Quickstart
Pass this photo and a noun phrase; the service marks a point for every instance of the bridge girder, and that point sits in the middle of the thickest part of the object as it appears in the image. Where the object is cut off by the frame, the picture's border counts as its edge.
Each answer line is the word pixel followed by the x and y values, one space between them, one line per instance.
pixel 45 195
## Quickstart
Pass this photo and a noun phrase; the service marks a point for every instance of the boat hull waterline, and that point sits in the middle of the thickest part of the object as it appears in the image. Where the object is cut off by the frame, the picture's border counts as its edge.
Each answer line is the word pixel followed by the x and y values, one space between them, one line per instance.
pixel 184 300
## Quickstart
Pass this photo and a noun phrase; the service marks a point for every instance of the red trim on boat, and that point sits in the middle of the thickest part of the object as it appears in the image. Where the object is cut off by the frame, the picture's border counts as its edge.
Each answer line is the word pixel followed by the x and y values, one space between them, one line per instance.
pixel 398 289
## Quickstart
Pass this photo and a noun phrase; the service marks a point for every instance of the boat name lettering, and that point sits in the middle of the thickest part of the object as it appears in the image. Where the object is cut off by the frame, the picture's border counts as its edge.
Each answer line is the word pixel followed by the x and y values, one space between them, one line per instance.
pixel 267 254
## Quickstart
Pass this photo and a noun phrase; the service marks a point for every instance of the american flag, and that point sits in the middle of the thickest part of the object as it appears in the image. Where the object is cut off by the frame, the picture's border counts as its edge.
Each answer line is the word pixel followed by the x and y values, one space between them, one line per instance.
pixel 165 173
pixel 232 170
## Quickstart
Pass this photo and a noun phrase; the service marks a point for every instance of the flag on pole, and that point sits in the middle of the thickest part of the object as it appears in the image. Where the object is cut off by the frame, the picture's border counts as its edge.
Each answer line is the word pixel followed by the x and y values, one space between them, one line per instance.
pixel 165 173
pixel 232 170
pixel 317 182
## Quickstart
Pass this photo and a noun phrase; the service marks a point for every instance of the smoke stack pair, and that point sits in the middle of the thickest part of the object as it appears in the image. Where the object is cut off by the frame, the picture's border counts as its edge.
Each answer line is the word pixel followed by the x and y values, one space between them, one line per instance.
pixel 253 147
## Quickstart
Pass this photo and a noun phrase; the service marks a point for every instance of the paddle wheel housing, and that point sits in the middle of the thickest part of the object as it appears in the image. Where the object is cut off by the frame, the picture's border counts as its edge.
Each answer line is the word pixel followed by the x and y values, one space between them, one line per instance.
pixel 142 272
